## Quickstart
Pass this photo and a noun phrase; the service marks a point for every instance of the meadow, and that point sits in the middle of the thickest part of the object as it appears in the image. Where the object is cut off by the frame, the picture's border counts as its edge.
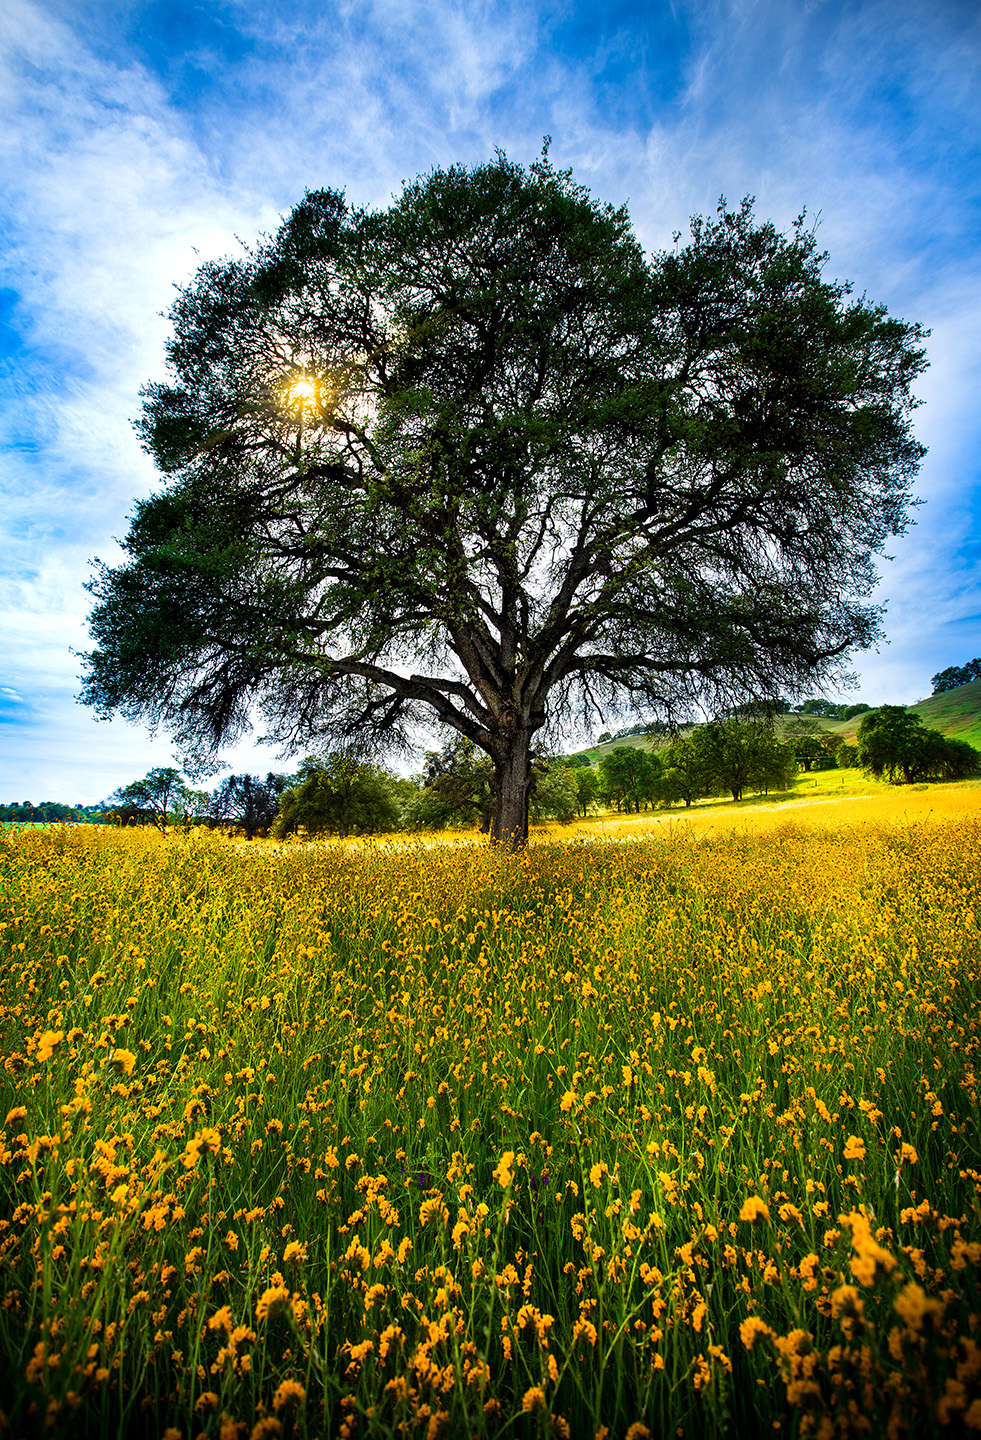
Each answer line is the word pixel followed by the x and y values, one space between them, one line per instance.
pixel 670 1137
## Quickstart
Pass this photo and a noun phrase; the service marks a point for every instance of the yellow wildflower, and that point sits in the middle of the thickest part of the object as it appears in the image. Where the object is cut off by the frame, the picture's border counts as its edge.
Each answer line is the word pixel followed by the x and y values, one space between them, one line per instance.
pixel 753 1329
pixel 847 1301
pixel 222 1320
pixel 272 1302
pixel 204 1142
pixel 914 1306
pixel 290 1392
pixel 49 1043
pixel 429 1209
pixel 503 1173
pixel 754 1209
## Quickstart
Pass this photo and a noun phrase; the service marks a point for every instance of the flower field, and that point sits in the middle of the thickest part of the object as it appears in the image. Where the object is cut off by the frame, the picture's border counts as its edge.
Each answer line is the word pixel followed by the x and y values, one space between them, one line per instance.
pixel 670 1137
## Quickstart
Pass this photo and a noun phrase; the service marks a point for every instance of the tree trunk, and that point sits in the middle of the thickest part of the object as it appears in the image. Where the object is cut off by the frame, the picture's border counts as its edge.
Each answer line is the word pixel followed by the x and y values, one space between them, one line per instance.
pixel 512 782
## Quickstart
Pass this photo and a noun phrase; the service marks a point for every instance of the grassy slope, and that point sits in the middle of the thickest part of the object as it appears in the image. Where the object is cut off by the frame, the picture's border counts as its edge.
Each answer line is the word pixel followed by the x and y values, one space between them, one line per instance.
pixel 954 712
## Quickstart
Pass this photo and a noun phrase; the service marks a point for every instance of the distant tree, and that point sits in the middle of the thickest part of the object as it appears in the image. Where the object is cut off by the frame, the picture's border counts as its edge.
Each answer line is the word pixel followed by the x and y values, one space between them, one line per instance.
pixel 477 457
pixel 832 709
pixel 757 709
pixel 49 812
pixel 630 776
pixel 162 794
pixel 847 756
pixel 643 727
pixel 812 747
pixel 248 802
pixel 684 776
pixel 555 793
pixel 894 744
pixel 827 709
pixel 808 751
pixel 800 724
pixel 457 788
pixel 587 788
pixel 424 810
pixel 956 675
pixel 338 796
pixel 888 742
pixel 946 758
pixel 582 760
pixel 741 755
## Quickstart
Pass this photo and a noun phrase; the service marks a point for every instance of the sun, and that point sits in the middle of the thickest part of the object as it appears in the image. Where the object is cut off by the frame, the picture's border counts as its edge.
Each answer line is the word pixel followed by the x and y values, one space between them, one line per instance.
pixel 302 391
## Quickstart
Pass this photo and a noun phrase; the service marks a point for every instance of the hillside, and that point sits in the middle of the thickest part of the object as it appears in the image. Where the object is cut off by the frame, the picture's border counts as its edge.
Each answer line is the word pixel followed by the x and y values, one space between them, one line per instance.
pixel 953 712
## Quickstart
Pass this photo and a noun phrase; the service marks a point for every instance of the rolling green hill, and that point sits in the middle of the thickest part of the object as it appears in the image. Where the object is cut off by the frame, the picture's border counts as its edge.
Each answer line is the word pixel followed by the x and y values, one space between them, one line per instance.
pixel 954 712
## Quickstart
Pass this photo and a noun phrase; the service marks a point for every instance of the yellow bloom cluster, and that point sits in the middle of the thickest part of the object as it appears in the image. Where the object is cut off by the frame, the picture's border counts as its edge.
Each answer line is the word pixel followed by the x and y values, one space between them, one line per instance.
pixel 605 1138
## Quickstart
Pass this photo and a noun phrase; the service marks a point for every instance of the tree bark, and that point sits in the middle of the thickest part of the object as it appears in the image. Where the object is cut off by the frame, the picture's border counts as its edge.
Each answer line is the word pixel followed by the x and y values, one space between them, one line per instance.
pixel 512 783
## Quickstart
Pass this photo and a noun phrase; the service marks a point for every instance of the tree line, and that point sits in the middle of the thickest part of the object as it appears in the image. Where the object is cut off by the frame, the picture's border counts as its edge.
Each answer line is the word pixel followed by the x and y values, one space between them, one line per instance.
pixel 49 812
pixel 733 756
pixel 334 794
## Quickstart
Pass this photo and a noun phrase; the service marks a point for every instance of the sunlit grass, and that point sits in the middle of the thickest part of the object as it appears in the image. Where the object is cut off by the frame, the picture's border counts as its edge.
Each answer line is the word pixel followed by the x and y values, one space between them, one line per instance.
pixel 425 1139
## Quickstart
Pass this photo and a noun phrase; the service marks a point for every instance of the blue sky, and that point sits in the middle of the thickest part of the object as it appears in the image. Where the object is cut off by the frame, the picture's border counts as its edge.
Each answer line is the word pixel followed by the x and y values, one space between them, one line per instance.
pixel 138 139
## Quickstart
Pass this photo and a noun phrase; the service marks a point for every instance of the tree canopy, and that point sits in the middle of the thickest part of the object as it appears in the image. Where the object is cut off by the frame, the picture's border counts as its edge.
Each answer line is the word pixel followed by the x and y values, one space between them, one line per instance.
pixel 334 795
pixel 161 794
pixel 476 457
pixel 894 744
pixel 956 675
pixel 740 755
pixel 248 801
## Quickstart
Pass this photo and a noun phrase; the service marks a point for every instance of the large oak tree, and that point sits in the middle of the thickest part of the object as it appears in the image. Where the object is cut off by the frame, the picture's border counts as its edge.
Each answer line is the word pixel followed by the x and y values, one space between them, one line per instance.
pixel 475 456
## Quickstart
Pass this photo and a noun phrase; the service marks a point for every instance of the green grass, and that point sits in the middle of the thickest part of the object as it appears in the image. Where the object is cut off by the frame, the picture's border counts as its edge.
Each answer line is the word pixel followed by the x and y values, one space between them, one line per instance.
pixel 953 712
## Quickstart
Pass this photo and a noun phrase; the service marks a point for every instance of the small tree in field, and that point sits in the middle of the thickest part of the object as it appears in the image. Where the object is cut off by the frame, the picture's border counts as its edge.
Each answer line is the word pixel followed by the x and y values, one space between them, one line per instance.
pixel 160 795
pixel 741 755
pixel 461 778
pixel 337 796
pixel 587 787
pixel 683 775
pixel 476 457
pixel 894 744
pixel 555 794
pixel 248 802
pixel 630 777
